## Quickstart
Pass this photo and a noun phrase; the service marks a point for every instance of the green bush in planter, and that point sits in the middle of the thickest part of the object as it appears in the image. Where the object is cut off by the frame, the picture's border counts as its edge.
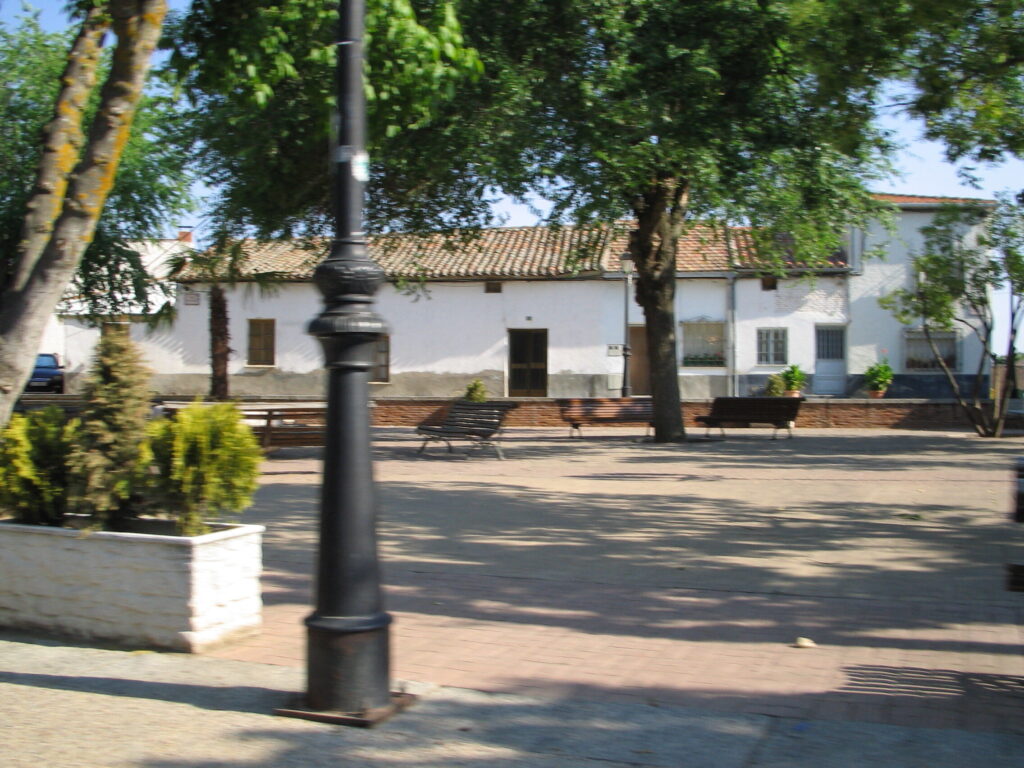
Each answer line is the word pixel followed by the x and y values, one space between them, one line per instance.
pixel 108 465
pixel 476 392
pixel 206 463
pixel 34 449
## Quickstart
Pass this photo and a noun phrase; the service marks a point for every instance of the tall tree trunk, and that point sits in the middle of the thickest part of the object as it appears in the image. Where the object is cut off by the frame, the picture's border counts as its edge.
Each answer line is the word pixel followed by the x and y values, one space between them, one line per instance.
pixel 220 340
pixel 27 304
pixel 660 212
pixel 62 141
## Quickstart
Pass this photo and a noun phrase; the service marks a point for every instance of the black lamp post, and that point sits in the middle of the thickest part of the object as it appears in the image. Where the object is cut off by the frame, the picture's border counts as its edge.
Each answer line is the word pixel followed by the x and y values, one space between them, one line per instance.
pixel 348 658
pixel 626 261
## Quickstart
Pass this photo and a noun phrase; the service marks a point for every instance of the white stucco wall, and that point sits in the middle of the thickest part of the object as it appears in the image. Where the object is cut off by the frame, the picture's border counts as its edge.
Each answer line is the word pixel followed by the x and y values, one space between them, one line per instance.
pixel 875 333
pixel 450 328
pixel 799 306
pixel 455 330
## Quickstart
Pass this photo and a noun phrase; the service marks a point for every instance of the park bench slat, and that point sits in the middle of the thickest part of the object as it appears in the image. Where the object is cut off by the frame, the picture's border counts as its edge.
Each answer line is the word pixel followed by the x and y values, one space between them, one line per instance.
pixel 478 422
pixel 778 412
pixel 578 412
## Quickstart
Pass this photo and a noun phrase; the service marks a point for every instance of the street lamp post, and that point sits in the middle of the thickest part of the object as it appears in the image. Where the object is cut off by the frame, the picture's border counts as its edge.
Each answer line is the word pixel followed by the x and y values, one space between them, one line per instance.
pixel 348 656
pixel 626 261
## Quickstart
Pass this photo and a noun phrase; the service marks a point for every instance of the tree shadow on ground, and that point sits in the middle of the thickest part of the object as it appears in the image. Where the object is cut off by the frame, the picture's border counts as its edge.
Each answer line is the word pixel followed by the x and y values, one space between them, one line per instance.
pixel 673 566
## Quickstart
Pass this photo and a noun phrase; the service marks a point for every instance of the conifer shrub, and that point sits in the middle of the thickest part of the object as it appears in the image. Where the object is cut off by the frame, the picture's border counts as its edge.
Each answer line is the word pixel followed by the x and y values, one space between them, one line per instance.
pixel 110 461
pixel 34 450
pixel 775 386
pixel 476 392
pixel 206 463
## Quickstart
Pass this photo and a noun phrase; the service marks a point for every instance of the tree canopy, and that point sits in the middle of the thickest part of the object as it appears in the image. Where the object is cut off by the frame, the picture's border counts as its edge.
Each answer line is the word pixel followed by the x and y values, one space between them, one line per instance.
pixel 74 176
pixel 152 186
pixel 259 74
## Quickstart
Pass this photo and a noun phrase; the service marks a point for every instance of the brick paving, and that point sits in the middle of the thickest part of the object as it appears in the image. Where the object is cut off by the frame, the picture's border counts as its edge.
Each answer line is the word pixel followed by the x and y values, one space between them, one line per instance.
pixel 617 570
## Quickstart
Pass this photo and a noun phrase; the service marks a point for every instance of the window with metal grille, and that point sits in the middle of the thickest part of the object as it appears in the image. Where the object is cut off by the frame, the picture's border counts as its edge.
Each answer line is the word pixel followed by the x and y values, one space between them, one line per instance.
pixel 381 371
pixel 831 343
pixel 771 346
pixel 261 342
pixel 919 355
pixel 703 343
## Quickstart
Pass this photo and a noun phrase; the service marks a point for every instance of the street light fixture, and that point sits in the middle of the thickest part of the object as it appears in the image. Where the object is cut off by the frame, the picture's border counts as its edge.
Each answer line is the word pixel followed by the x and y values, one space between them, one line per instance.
pixel 626 262
pixel 348 656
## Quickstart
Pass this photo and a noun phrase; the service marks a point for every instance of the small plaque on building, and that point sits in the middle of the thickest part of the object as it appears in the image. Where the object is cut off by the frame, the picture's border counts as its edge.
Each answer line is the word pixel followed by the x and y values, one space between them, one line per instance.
pixel 191 298
pixel 614 350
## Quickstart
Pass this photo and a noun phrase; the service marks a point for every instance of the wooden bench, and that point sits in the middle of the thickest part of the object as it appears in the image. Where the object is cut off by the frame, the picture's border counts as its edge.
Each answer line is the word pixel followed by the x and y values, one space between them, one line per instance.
pixel 480 423
pixel 282 426
pixel 607 411
pixel 779 412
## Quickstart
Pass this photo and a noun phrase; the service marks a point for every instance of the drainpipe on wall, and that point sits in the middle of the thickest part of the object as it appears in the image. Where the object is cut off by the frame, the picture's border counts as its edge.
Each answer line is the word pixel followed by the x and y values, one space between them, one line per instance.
pixel 733 376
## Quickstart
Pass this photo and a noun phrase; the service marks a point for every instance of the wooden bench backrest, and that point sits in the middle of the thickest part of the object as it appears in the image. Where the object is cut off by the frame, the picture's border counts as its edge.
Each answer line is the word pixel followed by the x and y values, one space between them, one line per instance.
pixel 481 419
pixel 641 409
pixel 769 409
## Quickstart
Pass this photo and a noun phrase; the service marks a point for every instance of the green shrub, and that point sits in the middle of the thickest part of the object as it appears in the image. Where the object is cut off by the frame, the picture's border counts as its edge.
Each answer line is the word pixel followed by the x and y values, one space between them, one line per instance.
pixel 775 386
pixel 879 376
pixel 206 464
pixel 109 463
pixel 34 453
pixel 476 392
pixel 794 378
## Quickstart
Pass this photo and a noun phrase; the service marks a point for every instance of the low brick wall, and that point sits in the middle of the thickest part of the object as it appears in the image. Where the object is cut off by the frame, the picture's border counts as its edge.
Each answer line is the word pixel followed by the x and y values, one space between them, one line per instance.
pixel 836 413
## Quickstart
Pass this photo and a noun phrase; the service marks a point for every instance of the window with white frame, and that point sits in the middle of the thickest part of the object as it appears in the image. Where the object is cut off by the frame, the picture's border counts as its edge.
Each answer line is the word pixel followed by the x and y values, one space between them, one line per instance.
pixel 919 355
pixel 381 371
pixel 771 346
pixel 703 343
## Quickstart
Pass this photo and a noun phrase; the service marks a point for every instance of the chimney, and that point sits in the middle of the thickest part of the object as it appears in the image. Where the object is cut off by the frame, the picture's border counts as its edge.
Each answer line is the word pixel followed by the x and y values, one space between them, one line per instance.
pixel 184 236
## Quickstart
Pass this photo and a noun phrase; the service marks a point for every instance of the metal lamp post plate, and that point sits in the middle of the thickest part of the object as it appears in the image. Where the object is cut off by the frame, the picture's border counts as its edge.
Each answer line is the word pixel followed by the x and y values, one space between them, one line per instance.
pixel 366 719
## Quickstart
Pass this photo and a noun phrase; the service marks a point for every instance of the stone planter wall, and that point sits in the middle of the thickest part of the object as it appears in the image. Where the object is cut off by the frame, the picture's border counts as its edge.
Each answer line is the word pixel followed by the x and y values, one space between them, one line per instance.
pixel 183 593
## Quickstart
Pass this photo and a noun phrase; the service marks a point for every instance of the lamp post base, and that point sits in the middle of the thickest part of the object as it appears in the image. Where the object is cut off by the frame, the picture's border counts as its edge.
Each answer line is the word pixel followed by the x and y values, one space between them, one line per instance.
pixel 366 719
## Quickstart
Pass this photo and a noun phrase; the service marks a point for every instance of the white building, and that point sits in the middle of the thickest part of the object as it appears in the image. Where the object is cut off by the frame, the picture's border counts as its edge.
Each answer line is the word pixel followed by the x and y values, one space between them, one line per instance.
pixel 72 334
pixel 538 313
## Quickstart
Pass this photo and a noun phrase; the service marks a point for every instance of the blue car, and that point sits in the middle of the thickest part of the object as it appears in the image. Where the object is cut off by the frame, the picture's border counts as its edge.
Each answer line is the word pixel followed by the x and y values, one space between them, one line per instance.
pixel 48 375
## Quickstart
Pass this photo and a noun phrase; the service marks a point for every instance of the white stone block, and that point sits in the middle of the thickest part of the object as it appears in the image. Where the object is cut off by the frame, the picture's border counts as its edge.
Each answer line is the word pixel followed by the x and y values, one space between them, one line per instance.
pixel 186 593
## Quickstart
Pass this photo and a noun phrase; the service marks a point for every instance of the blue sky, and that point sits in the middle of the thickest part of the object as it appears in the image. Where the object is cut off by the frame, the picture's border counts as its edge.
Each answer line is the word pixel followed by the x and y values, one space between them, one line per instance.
pixel 923 168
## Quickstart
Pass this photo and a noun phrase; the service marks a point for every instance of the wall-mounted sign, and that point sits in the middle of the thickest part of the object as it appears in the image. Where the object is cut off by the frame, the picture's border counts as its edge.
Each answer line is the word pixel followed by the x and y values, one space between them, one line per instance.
pixel 614 350
pixel 191 298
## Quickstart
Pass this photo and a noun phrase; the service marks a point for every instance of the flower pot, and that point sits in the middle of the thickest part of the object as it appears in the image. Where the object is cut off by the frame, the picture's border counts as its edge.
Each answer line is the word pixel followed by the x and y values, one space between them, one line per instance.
pixel 876 394
pixel 148 588
pixel 793 393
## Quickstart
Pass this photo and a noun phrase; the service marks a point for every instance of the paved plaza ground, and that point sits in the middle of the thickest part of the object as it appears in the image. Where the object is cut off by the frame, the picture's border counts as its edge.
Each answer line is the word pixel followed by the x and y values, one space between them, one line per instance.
pixel 611 569
pixel 619 581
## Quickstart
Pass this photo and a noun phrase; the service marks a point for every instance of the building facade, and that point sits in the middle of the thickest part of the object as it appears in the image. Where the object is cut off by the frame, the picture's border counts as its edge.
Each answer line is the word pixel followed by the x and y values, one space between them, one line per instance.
pixel 537 313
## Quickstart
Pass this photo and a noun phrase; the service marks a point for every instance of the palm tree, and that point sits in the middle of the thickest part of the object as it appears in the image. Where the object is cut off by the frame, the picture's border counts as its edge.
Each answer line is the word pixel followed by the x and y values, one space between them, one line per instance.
pixel 224 265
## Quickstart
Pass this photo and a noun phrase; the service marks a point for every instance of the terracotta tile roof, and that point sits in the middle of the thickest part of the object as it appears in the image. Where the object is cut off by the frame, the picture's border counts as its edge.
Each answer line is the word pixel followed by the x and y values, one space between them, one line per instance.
pixel 536 252
pixel 930 200
pixel 500 253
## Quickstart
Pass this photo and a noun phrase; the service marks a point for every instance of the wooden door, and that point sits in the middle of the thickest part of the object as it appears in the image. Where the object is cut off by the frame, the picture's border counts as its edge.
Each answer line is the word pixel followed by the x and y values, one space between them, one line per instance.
pixel 639 362
pixel 528 363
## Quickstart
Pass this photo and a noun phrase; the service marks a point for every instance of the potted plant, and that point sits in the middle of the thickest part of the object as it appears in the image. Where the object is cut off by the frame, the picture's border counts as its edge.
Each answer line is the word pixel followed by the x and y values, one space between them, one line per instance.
pixel 878 378
pixel 106 531
pixel 794 379
pixel 476 392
